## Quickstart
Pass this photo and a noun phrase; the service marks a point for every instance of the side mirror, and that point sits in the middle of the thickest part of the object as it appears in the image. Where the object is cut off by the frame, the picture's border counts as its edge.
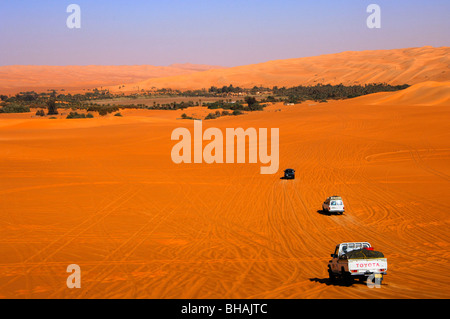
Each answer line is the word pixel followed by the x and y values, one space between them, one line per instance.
pixel 333 255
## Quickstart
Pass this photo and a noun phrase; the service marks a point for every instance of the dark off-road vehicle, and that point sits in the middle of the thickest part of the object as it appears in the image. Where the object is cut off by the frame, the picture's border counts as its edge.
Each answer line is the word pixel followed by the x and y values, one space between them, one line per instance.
pixel 289 173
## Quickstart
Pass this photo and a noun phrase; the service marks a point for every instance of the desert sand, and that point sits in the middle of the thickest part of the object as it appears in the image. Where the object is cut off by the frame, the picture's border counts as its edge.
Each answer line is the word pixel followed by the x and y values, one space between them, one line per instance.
pixel 104 193
pixel 396 67
pixel 80 79
pixel 429 93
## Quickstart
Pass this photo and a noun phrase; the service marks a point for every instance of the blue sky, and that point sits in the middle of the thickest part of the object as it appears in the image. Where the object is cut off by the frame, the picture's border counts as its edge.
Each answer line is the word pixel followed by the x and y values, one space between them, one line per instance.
pixel 215 32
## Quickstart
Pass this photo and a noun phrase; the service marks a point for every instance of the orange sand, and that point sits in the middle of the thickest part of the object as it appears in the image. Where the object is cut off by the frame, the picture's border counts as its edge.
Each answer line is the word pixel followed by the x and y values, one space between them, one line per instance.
pixel 104 194
pixel 425 93
pixel 411 66
pixel 400 66
pixel 79 79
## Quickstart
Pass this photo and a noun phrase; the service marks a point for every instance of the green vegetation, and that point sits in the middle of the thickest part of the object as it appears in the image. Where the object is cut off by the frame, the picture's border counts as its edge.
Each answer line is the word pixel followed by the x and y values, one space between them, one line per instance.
pixel 212 116
pixel 233 100
pixel 252 105
pixel 322 93
pixel 184 116
pixel 40 113
pixel 51 106
pixel 15 108
pixel 102 109
pixel 76 115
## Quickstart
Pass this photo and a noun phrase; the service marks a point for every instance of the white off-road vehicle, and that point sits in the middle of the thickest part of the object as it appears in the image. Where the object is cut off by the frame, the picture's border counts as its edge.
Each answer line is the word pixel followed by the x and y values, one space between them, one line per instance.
pixel 357 260
pixel 333 204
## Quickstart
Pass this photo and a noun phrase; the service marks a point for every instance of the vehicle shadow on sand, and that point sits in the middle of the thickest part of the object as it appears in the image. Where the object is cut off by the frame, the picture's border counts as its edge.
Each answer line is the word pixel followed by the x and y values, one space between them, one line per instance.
pixel 337 282
pixel 324 212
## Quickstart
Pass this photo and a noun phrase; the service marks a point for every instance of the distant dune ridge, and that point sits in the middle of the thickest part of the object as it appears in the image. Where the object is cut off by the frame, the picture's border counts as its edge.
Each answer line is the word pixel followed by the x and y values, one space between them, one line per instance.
pixel 398 66
pixel 18 78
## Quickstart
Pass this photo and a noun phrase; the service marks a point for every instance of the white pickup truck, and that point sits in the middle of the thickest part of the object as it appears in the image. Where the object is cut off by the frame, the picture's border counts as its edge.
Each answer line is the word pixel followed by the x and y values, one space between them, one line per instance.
pixel 357 260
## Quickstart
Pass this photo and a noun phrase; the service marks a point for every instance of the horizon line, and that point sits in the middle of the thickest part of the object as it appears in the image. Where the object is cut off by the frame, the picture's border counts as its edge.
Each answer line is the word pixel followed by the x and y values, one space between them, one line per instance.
pixel 221 66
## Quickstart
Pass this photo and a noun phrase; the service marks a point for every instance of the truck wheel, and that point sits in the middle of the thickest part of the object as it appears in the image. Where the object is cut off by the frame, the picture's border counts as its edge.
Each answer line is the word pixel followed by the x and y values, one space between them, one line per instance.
pixel 346 277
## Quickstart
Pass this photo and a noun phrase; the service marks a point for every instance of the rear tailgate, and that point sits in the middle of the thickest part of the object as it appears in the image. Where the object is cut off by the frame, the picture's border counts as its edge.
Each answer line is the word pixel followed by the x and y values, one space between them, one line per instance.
pixel 338 208
pixel 361 266
pixel 337 205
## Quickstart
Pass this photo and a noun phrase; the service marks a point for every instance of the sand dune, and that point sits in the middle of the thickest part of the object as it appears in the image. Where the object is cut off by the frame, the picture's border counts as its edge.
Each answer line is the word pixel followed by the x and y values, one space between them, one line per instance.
pixel 425 93
pixel 411 66
pixel 104 194
pixel 18 78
